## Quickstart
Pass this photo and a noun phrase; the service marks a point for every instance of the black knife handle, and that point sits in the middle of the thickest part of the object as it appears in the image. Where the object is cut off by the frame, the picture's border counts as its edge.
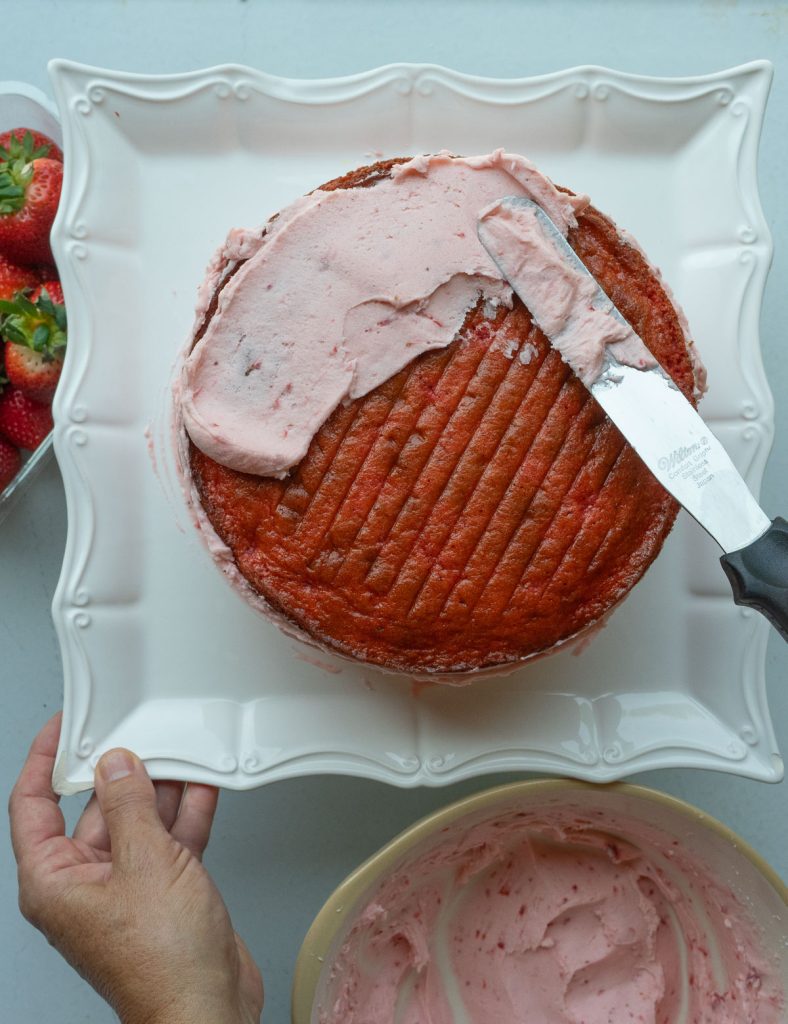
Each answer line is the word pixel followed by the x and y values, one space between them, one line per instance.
pixel 758 575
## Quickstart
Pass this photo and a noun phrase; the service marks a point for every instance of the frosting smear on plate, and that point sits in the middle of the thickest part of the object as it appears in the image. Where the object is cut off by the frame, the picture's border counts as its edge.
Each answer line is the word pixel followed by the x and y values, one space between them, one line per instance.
pixel 343 290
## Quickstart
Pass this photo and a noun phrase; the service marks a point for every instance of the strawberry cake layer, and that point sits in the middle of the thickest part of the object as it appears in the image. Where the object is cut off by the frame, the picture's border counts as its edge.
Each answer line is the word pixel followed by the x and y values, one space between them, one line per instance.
pixel 387 446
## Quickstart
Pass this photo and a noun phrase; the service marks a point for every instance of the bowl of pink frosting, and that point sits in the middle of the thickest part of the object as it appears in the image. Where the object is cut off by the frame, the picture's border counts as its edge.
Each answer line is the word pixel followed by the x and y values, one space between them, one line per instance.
pixel 553 902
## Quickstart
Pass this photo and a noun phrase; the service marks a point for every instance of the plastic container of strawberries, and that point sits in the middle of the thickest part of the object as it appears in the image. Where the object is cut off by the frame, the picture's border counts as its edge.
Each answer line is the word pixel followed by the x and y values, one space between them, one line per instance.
pixel 23 105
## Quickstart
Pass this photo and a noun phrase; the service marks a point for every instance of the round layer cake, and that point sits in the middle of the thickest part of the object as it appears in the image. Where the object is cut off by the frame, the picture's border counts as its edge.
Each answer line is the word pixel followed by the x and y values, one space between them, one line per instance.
pixel 475 509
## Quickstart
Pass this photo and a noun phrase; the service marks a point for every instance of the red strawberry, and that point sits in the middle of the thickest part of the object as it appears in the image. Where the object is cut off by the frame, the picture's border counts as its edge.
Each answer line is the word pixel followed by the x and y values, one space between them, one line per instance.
pixel 15 279
pixel 35 333
pixel 40 142
pixel 10 461
pixel 31 372
pixel 30 186
pixel 54 290
pixel 22 421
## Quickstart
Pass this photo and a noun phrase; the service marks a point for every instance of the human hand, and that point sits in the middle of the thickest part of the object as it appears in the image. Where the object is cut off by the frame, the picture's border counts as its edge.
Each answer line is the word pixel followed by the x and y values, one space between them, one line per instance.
pixel 126 899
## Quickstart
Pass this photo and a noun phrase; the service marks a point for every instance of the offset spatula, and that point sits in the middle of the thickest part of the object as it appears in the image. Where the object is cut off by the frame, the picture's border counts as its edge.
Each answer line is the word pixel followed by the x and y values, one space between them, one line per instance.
pixel 665 431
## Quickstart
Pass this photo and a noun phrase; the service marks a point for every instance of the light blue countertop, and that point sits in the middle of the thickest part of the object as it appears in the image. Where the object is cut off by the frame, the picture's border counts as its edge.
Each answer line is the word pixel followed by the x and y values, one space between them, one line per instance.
pixel 276 853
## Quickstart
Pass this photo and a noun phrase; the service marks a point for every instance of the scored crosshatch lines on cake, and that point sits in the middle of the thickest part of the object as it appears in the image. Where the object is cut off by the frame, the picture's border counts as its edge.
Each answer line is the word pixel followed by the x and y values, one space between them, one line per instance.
pixel 450 491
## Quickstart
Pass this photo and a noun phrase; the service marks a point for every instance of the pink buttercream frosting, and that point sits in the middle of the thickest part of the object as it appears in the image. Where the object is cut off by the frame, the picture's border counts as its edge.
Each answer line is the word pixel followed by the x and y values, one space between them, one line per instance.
pixel 550 919
pixel 343 289
pixel 559 298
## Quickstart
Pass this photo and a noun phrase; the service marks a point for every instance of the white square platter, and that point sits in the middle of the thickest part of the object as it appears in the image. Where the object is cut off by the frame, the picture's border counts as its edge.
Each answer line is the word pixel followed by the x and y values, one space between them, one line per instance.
pixel 159 653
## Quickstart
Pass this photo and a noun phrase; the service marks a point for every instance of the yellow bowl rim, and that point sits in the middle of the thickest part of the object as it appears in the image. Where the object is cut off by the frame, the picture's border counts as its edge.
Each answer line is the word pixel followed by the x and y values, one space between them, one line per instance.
pixel 333 914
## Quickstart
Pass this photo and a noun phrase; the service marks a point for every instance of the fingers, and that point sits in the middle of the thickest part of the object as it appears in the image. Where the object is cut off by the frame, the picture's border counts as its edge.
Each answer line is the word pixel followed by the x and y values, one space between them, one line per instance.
pixel 168 800
pixel 92 829
pixel 127 801
pixel 192 827
pixel 33 807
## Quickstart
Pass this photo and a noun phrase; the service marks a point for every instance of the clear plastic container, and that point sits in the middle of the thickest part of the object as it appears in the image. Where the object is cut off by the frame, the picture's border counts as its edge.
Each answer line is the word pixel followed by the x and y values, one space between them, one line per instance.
pixel 23 105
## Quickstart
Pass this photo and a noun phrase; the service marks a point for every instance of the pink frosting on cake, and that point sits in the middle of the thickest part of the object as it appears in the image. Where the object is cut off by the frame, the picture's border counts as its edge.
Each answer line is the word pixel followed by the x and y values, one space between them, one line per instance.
pixel 559 297
pixel 344 289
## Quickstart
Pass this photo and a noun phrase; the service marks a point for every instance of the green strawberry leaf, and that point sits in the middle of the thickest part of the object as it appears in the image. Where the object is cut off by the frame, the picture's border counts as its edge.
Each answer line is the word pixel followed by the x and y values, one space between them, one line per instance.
pixel 39 325
pixel 24 305
pixel 8 188
pixel 15 176
pixel 23 149
pixel 41 338
pixel 12 332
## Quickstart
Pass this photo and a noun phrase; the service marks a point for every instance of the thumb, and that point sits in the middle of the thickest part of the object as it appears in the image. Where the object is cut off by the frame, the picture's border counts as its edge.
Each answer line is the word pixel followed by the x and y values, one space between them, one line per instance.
pixel 127 801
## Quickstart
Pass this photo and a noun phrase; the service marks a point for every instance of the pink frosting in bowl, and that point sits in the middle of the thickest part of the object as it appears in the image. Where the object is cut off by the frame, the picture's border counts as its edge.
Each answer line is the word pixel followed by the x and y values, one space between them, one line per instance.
pixel 552 903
